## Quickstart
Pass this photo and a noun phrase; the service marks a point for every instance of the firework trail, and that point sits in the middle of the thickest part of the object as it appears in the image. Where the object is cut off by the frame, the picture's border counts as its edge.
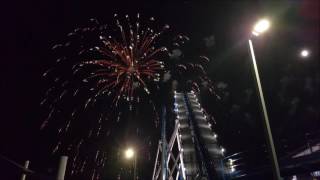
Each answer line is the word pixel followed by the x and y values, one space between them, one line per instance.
pixel 100 70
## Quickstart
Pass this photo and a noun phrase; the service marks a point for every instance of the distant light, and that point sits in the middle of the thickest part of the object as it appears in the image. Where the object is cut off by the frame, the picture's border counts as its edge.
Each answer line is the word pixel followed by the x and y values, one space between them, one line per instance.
pixel 304 53
pixel 129 153
pixel 260 27
pixel 222 150
pixel 233 169
pixel 231 161
pixel 315 174
pixel 215 136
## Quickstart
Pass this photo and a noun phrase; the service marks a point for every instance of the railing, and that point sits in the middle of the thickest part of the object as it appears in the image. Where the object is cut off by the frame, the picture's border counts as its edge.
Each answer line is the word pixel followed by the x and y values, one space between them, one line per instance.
pixel 26 171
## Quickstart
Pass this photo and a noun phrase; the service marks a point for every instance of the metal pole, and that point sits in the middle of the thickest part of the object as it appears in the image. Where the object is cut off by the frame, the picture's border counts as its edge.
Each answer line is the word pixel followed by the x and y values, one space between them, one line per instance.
pixel 268 133
pixel 62 167
pixel 223 169
pixel 164 145
pixel 135 167
pixel 26 166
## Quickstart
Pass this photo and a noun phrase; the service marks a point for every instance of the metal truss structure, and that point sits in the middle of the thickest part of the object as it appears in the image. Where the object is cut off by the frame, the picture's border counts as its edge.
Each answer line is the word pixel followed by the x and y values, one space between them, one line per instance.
pixel 192 152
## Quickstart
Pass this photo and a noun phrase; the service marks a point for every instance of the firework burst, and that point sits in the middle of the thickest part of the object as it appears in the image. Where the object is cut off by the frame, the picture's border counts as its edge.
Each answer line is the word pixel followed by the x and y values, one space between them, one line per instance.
pixel 126 64
pixel 114 66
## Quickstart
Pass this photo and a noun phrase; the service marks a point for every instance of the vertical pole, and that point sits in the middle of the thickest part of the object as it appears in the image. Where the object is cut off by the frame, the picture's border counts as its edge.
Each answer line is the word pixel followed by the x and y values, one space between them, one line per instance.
pixel 308 143
pixel 26 166
pixel 164 145
pixel 62 167
pixel 268 133
pixel 135 167
pixel 223 169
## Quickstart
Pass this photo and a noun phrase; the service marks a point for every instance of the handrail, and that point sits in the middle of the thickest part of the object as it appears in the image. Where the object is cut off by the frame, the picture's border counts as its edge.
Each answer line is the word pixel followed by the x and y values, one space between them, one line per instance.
pixel 201 150
pixel 22 168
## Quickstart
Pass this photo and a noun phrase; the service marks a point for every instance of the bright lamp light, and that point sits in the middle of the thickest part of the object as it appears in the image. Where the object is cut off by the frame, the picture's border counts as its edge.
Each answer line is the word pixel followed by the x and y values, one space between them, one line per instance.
pixel 260 27
pixel 304 53
pixel 129 153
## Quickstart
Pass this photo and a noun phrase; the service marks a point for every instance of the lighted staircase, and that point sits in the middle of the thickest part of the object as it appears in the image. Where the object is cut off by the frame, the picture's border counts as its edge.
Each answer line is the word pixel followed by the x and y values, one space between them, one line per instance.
pixel 197 155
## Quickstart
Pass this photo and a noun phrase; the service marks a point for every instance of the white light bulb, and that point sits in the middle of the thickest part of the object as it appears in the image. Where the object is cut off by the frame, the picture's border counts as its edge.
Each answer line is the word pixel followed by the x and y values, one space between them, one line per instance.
pixel 304 53
pixel 129 153
pixel 261 26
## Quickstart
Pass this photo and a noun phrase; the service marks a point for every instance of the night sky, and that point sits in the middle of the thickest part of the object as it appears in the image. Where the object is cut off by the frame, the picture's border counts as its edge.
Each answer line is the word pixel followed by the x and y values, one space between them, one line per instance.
pixel 218 29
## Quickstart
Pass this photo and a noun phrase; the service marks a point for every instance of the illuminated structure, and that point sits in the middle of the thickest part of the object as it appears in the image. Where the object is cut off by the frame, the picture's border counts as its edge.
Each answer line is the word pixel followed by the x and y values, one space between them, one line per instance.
pixel 192 151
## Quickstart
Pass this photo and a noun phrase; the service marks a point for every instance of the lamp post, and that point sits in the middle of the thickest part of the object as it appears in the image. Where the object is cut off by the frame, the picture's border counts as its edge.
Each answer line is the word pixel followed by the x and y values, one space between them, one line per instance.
pixel 262 26
pixel 129 154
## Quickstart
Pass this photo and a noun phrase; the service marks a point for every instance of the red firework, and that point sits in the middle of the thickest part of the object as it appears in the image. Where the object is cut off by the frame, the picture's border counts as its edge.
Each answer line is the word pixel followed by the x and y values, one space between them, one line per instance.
pixel 126 64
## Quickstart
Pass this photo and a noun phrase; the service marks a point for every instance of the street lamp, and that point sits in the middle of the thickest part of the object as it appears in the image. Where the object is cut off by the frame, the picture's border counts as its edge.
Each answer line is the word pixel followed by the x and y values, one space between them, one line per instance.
pixel 259 28
pixel 129 154
pixel 304 53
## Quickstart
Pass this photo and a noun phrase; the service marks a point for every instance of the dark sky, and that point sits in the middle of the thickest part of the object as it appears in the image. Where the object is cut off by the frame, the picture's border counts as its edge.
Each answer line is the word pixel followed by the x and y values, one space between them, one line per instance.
pixel 218 29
